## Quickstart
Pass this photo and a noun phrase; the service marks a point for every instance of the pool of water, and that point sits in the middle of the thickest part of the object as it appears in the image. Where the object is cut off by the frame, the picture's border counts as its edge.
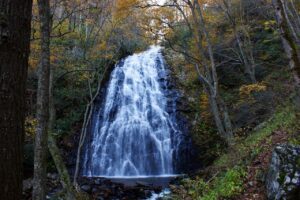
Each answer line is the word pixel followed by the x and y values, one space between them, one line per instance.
pixel 151 181
pixel 155 181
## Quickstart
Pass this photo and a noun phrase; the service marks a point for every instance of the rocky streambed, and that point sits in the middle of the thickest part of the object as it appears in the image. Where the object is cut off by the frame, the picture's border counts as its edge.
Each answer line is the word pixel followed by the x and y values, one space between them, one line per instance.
pixel 150 188
pixel 102 188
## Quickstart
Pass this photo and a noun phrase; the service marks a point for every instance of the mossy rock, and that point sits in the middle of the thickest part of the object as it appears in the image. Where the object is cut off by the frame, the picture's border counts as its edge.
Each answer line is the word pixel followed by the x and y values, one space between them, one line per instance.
pixel 283 179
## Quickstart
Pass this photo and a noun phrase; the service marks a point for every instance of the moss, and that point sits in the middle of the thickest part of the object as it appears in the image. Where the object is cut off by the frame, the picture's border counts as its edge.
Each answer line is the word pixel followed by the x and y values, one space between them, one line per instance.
pixel 298 162
pixel 281 178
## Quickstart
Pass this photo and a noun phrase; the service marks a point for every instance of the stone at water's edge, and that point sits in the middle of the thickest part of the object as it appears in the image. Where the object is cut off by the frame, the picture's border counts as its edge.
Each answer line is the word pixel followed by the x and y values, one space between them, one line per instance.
pixel 283 178
pixel 101 188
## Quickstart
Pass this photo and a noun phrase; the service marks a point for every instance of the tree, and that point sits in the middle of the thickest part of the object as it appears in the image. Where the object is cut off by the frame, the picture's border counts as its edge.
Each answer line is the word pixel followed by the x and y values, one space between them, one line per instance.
pixel 15 18
pixel 201 55
pixel 217 104
pixel 242 37
pixel 41 138
pixel 290 41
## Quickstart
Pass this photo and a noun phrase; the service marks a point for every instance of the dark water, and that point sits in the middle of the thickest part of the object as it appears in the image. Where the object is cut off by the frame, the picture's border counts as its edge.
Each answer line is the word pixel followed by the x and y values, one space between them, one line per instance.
pixel 155 181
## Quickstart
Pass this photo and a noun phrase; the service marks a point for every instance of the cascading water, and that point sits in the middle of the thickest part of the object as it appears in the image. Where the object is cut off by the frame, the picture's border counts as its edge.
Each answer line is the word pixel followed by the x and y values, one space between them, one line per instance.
pixel 133 133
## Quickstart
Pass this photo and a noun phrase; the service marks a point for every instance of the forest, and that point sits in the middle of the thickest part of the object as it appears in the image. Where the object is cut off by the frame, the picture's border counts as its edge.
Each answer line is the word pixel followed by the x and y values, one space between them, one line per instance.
pixel 150 99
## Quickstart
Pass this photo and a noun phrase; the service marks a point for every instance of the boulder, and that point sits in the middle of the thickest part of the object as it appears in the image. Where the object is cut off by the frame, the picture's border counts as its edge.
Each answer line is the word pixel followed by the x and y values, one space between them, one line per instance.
pixel 27 184
pixel 283 178
pixel 251 112
pixel 86 188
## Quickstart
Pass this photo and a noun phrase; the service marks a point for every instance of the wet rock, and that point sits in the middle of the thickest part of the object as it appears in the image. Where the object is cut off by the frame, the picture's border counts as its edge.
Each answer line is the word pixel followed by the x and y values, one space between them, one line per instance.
pixel 162 74
pixel 86 188
pixel 99 181
pixel 148 193
pixel 27 184
pixel 283 178
pixel 94 190
pixel 142 184
pixel 101 188
pixel 250 184
pixel 52 176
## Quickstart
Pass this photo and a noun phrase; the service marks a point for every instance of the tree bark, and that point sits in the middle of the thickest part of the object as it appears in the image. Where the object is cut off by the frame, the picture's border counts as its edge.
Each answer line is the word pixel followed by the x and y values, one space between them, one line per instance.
pixel 61 168
pixel 218 107
pixel 54 150
pixel 221 117
pixel 15 18
pixel 208 74
pixel 245 50
pixel 289 45
pixel 42 104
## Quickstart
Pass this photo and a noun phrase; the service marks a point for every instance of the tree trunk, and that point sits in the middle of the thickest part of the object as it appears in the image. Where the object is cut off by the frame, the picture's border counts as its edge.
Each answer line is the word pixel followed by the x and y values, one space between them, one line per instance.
pixel 87 118
pixel 226 121
pixel 292 26
pixel 296 13
pixel 42 104
pixel 246 51
pixel 15 18
pixel 52 112
pixel 217 116
pixel 54 150
pixel 221 118
pixel 248 62
pixel 217 105
pixel 289 46
pixel 61 168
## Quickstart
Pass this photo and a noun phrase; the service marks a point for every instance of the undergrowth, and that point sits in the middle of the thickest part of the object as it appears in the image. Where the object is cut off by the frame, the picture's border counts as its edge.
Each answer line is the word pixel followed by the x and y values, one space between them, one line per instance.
pixel 283 119
pixel 229 169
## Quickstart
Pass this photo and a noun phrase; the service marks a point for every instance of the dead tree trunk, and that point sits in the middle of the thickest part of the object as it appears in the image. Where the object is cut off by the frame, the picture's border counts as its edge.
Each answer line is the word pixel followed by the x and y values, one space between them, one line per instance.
pixel 15 18
pixel 41 138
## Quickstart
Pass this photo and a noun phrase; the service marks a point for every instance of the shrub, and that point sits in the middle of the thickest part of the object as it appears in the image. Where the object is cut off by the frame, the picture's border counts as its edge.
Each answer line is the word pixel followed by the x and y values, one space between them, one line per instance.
pixel 247 90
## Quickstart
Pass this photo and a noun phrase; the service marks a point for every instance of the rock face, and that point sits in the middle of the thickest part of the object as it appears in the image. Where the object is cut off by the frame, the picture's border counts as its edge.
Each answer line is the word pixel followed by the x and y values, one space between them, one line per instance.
pixel 283 178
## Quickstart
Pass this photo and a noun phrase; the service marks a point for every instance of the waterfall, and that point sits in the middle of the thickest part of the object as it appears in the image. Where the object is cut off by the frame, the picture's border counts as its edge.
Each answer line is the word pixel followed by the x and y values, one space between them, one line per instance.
pixel 133 133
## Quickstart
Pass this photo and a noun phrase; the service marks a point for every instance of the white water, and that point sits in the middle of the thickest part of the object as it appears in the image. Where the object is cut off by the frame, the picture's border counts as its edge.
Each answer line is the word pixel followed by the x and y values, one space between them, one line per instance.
pixel 160 195
pixel 132 133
